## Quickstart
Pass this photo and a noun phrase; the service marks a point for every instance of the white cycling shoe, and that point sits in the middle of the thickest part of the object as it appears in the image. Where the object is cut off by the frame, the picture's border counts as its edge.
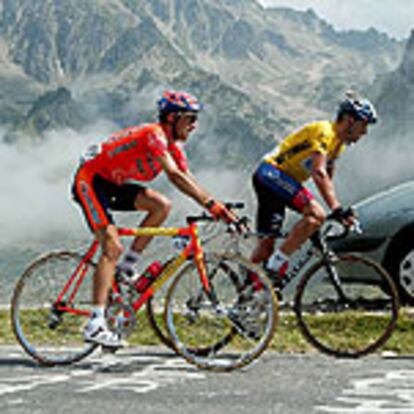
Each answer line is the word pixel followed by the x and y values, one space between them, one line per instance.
pixel 96 332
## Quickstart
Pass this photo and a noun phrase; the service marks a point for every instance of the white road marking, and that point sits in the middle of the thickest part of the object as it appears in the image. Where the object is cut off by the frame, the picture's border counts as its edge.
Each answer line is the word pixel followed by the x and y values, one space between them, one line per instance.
pixel 146 380
pixel 29 382
pixel 114 373
pixel 392 393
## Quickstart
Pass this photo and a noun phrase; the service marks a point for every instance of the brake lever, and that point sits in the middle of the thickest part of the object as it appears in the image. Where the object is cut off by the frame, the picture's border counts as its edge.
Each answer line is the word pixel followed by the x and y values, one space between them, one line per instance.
pixel 240 226
pixel 353 228
pixel 356 227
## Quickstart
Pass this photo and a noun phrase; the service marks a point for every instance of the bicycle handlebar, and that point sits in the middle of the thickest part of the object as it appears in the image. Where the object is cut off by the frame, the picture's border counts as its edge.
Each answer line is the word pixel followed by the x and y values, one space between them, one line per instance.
pixel 231 205
pixel 199 218
pixel 240 226
pixel 234 226
pixel 234 205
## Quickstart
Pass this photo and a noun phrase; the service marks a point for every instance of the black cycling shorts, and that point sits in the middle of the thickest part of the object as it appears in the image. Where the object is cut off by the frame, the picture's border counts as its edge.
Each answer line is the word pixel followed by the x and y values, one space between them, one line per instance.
pixel 275 191
pixel 98 196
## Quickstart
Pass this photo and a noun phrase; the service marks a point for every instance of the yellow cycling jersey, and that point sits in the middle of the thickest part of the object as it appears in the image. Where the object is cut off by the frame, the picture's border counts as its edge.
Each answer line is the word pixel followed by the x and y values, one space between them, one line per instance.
pixel 293 155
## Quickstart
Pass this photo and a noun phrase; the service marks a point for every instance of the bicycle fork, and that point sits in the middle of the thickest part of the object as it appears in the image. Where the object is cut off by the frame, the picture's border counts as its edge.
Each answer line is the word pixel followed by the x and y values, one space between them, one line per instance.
pixel 328 259
pixel 334 278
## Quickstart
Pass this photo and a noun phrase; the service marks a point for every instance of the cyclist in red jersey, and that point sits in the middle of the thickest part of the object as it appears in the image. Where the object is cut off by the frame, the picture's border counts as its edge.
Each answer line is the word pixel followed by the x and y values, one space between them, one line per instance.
pixel 103 183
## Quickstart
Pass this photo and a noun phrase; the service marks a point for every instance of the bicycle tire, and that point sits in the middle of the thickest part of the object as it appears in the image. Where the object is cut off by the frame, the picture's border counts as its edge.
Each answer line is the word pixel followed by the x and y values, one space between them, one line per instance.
pixel 227 333
pixel 351 327
pixel 50 337
pixel 157 323
pixel 155 318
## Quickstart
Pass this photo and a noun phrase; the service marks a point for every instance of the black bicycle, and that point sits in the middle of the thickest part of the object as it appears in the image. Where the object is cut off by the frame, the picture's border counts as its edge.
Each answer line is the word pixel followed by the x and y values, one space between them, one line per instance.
pixel 345 305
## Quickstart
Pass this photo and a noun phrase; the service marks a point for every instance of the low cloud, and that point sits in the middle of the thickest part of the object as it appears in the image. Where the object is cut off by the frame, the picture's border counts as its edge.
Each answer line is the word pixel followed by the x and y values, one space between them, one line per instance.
pixel 374 165
pixel 35 183
pixel 35 186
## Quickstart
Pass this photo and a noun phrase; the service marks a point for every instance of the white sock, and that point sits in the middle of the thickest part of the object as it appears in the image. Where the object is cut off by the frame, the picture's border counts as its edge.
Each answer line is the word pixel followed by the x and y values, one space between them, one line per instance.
pixel 129 262
pixel 97 318
pixel 276 260
pixel 98 311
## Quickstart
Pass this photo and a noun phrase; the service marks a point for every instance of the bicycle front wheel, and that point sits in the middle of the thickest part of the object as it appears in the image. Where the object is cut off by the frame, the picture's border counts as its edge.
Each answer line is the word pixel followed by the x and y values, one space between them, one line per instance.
pixel 47 332
pixel 227 327
pixel 155 311
pixel 346 306
pixel 155 306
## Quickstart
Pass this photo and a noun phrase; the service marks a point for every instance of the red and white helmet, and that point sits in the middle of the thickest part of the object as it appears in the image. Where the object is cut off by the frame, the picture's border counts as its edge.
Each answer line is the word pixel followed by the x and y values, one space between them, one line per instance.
pixel 178 101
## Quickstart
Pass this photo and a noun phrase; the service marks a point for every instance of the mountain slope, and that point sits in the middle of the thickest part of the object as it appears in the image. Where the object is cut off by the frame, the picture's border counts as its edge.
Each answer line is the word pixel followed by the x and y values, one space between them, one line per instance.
pixel 259 71
pixel 395 96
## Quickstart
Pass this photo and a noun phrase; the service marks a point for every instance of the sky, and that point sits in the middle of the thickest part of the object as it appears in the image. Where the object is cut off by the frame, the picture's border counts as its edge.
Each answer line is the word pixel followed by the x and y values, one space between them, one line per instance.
pixel 394 17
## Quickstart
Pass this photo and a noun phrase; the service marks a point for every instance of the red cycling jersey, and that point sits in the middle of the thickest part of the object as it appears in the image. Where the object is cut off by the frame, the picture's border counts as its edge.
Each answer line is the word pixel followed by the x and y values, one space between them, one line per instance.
pixel 132 154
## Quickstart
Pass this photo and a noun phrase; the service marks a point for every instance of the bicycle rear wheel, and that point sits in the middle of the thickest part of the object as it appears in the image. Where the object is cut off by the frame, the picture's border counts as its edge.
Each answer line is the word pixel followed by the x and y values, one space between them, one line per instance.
pixel 47 333
pixel 347 306
pixel 228 327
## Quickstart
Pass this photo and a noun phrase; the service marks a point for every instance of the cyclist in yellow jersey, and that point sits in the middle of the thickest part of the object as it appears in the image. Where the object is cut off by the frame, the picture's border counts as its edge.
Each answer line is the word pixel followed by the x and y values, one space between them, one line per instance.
pixel 294 156
pixel 278 182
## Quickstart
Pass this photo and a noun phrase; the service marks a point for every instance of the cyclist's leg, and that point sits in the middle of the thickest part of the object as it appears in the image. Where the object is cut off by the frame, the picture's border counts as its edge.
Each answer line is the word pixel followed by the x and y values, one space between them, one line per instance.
pixel 96 330
pixel 274 186
pixel 94 203
pixel 313 216
pixel 111 251
pixel 132 197
pixel 263 249
pixel 269 219
pixel 157 207
pixel 275 191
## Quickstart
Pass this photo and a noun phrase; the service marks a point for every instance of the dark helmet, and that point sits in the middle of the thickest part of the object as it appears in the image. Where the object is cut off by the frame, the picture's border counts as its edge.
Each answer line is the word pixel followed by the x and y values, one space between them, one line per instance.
pixel 361 109
pixel 178 101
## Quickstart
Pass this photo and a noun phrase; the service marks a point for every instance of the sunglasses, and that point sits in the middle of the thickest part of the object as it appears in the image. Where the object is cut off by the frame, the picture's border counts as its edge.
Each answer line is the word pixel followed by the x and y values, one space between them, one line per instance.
pixel 192 118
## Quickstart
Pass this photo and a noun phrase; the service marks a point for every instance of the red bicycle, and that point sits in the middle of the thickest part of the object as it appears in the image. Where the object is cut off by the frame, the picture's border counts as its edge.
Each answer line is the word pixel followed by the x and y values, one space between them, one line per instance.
pixel 214 316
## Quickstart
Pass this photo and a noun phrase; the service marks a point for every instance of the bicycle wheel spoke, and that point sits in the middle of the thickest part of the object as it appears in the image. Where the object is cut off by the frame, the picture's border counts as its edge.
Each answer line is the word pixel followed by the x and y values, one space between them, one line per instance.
pixel 155 309
pixel 49 334
pixel 224 330
pixel 349 309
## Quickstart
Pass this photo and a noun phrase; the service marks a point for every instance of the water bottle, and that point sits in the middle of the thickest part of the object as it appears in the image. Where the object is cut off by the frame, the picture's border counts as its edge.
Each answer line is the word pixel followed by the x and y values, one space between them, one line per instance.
pixel 148 277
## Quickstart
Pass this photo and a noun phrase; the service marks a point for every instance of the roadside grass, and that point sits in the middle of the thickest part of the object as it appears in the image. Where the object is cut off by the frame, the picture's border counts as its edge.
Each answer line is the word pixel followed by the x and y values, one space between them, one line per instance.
pixel 6 333
pixel 287 339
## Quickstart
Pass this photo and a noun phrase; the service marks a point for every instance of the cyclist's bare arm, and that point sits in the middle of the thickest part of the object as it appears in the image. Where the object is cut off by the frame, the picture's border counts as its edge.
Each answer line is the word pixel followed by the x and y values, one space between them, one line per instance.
pixel 323 180
pixel 330 168
pixel 184 181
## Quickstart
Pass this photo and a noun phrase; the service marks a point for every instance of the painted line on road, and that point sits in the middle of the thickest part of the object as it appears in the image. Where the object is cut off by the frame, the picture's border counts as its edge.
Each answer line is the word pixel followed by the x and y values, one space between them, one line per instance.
pixel 392 393
pixel 108 373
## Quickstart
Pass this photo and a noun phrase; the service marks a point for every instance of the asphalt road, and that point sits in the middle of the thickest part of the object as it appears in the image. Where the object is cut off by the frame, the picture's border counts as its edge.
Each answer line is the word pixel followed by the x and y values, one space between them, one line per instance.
pixel 153 380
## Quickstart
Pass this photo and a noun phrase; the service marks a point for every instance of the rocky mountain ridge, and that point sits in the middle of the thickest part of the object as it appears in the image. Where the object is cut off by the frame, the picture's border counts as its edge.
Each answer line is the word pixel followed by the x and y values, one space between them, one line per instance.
pixel 394 94
pixel 259 71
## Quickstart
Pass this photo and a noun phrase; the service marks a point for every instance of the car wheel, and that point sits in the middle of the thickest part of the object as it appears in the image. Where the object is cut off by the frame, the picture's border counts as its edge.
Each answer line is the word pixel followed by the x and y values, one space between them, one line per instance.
pixel 400 264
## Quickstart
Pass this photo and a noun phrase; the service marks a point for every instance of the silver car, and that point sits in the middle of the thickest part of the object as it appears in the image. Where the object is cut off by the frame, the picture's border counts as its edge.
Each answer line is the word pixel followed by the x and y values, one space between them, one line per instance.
pixel 387 221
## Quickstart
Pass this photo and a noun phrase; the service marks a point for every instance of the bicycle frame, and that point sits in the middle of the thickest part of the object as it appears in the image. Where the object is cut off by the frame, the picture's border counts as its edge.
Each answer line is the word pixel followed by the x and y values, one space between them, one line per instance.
pixel 318 243
pixel 193 250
